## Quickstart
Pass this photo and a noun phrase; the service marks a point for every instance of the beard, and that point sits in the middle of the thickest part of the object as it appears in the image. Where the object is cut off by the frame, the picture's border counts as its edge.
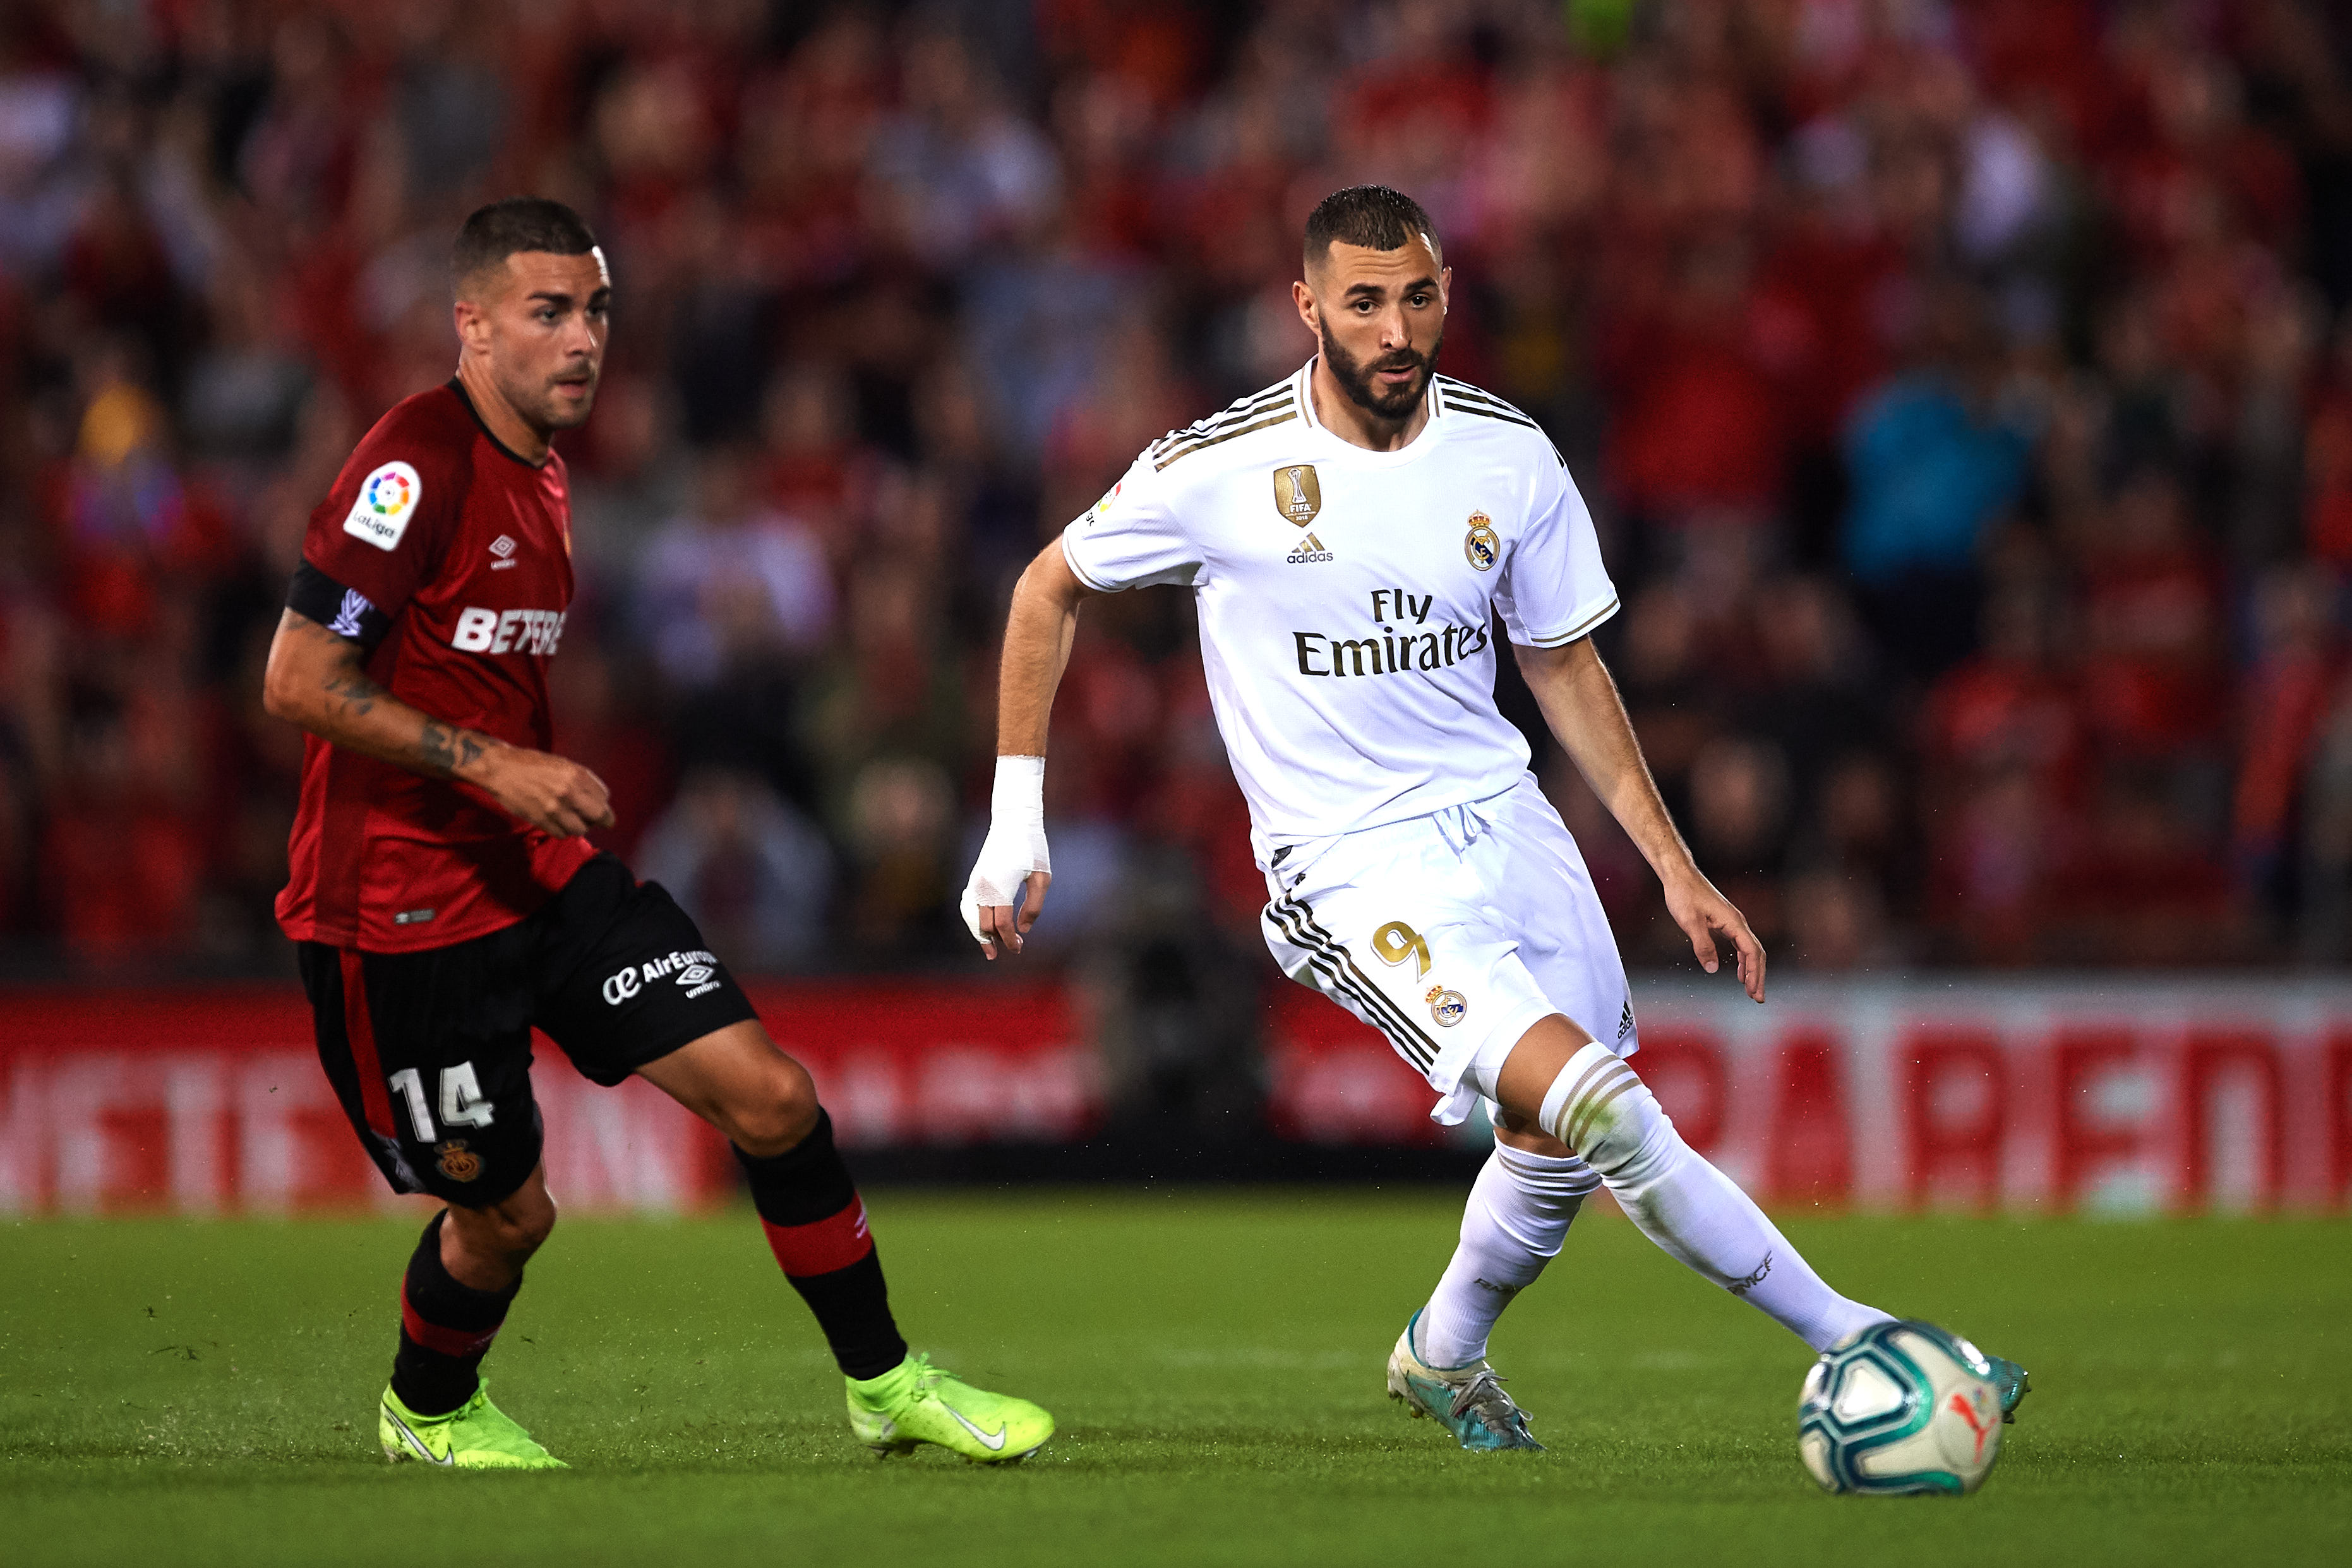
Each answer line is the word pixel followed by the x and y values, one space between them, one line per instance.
pixel 1355 376
pixel 545 410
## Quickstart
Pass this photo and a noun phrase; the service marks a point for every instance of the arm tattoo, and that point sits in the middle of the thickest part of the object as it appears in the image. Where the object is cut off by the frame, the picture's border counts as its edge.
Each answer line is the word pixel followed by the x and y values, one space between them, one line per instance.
pixel 439 744
pixel 447 749
pixel 358 691
pixel 442 749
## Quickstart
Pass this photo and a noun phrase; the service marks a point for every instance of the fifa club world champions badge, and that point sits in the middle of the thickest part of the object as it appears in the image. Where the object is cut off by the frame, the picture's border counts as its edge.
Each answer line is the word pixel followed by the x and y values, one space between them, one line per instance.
pixel 1298 493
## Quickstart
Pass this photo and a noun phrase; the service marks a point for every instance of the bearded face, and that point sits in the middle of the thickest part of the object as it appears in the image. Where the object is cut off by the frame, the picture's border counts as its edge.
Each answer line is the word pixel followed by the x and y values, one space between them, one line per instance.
pixel 1363 381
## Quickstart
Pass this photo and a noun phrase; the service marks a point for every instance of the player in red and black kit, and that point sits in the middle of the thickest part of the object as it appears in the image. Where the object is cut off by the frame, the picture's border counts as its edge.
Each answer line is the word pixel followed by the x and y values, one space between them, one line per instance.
pixel 446 902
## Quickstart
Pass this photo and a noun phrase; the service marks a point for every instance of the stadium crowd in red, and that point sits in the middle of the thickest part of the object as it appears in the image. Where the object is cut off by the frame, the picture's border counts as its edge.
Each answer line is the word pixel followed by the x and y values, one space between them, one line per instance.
pixel 1964 387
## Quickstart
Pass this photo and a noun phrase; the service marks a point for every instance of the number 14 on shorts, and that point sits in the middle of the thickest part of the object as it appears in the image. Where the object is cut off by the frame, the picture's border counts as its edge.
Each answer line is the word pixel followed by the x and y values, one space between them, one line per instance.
pixel 462 1104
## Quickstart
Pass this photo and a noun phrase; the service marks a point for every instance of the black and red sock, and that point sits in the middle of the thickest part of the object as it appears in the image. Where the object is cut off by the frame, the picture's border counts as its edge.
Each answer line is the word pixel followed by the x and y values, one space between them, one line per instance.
pixel 446 1329
pixel 816 1227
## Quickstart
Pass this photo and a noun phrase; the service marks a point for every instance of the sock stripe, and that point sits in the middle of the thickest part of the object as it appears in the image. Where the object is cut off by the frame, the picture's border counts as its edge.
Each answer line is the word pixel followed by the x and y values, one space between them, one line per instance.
pixel 1591 1111
pixel 1576 1093
pixel 829 1244
pixel 1550 1175
pixel 441 1340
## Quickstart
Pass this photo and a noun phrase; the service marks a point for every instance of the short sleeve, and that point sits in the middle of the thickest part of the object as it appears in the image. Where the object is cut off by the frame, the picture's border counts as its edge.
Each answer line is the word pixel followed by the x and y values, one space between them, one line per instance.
pixel 1554 587
pixel 379 532
pixel 1131 537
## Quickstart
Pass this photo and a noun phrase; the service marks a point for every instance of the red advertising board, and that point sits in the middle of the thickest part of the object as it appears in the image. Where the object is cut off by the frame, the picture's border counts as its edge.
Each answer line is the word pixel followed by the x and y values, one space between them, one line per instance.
pixel 2113 1097
pixel 211 1100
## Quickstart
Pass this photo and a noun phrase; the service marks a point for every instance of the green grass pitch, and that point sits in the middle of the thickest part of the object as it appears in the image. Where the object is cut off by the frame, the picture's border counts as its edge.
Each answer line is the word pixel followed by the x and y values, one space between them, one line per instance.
pixel 204 1393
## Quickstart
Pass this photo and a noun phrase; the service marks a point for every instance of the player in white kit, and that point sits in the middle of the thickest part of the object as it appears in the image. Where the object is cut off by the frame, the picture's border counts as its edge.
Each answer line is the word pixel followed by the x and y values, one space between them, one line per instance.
pixel 1350 536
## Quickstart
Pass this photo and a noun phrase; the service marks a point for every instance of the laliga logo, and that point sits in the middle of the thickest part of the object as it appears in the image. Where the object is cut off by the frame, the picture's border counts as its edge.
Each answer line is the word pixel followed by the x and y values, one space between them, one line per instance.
pixel 388 492
pixel 387 499
pixel 622 986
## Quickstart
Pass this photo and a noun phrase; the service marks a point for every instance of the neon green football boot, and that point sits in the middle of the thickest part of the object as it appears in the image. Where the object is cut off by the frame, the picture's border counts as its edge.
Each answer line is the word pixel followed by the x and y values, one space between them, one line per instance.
pixel 915 1402
pixel 476 1436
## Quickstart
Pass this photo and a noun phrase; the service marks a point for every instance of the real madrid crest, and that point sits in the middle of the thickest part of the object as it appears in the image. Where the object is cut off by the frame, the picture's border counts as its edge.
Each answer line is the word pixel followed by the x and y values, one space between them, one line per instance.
pixel 1446 1007
pixel 457 1162
pixel 1482 544
pixel 1298 494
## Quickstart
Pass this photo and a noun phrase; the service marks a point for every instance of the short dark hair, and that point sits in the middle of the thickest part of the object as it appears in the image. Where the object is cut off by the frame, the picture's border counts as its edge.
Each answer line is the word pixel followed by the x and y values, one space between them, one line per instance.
pixel 1373 216
pixel 516 224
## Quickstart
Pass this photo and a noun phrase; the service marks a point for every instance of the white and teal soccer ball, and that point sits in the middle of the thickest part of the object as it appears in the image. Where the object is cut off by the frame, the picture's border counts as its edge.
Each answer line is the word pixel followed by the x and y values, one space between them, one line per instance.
pixel 1900 1408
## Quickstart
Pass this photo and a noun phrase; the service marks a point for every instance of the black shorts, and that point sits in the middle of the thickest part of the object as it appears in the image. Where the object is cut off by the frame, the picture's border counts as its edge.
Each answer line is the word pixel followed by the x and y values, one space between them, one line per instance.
pixel 430 1053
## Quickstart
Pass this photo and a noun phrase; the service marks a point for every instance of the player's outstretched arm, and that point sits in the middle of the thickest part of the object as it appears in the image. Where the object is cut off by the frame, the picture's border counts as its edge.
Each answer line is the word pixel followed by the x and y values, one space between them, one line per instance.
pixel 1580 703
pixel 1038 636
pixel 318 679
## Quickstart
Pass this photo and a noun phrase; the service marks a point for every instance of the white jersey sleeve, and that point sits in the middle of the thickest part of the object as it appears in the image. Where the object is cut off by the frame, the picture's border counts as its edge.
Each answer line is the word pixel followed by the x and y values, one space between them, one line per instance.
pixel 1132 537
pixel 1554 588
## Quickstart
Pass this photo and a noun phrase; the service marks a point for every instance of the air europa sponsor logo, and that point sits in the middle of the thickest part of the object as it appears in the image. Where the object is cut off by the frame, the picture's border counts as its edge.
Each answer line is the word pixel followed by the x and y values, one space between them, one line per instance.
pixel 507 631
pixel 697 972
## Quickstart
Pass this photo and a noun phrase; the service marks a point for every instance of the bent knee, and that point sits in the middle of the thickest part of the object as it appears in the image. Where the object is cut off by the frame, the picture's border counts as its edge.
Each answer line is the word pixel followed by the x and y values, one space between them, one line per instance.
pixel 514 1229
pixel 1601 1108
pixel 776 1116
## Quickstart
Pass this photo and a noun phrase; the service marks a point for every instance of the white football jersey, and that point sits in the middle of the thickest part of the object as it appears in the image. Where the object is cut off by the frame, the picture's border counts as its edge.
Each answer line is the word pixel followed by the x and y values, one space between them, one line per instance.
pixel 1346 596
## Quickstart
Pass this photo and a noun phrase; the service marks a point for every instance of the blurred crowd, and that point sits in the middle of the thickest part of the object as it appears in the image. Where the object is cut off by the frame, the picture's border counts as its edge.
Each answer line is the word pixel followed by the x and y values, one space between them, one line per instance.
pixel 1963 388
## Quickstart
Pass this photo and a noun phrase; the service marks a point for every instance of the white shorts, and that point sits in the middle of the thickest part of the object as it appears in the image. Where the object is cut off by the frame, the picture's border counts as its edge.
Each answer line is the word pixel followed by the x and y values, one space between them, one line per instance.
pixel 1452 934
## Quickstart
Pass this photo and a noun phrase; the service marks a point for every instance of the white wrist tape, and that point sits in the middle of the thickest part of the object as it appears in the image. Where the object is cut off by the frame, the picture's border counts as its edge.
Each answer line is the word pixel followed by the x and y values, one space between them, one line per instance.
pixel 1019 796
pixel 1015 845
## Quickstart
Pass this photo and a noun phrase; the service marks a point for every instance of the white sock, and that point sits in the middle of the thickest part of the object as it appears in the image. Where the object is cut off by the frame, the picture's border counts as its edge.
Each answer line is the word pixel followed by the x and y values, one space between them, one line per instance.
pixel 1600 1107
pixel 1518 1214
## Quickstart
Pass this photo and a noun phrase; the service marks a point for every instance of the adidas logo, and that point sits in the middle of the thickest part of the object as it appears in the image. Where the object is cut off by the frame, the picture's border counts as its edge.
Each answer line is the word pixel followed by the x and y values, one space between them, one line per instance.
pixel 1311 549
pixel 504 549
pixel 1625 1019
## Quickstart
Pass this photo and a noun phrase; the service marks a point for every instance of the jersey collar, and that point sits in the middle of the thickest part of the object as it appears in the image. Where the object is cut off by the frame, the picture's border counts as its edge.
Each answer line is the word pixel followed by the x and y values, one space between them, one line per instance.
pixel 455 385
pixel 1432 433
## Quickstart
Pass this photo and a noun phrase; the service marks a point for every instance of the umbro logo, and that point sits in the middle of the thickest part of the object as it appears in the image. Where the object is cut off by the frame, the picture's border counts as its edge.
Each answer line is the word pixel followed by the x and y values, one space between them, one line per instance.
pixel 504 549
pixel 1311 549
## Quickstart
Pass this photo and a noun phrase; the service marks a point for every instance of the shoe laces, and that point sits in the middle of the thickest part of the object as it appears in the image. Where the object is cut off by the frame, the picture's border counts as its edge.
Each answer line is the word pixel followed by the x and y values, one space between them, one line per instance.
pixel 1482 1396
pixel 927 1377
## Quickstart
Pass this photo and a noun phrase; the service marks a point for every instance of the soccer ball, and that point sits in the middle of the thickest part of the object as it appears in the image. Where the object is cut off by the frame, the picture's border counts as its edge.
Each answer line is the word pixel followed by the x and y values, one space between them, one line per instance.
pixel 1900 1408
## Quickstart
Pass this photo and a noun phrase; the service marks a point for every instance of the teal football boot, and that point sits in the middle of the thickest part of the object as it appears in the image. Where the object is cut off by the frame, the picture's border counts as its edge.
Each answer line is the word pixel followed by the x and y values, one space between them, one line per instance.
pixel 1468 1401
pixel 2008 1381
